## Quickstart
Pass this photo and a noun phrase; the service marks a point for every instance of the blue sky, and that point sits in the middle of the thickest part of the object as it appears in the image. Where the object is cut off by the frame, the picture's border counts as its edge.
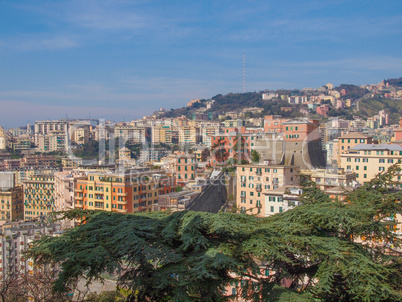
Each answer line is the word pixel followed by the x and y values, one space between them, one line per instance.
pixel 124 59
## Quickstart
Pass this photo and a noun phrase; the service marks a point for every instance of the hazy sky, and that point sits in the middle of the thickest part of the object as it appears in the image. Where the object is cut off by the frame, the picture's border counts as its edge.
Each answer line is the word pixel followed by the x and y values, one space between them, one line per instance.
pixel 124 59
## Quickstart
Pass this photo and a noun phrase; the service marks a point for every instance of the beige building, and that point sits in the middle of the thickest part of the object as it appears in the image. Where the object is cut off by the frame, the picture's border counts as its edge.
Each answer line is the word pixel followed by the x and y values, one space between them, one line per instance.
pixel 332 177
pixel 162 134
pixel 189 135
pixel 38 196
pixel 367 160
pixel 281 199
pixel 255 180
pixel 136 135
pixel 64 184
pixel 81 135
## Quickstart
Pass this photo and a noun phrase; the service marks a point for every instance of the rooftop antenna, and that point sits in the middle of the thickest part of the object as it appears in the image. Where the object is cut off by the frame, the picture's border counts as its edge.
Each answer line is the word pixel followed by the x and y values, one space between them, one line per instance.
pixel 244 72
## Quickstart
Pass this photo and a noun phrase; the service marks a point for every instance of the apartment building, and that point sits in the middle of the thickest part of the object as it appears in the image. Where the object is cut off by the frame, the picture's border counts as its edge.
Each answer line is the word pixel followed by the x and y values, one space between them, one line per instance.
pixel 181 166
pixel 255 180
pixel 15 240
pixel 136 135
pixel 230 145
pixel 11 198
pixel 64 185
pixel 43 128
pixel 162 134
pixel 347 141
pixel 130 192
pixel 367 160
pixel 38 196
pixel 189 135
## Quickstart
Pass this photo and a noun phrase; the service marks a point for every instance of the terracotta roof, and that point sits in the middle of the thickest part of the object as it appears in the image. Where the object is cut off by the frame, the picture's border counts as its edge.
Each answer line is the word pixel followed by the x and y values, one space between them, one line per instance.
pixel 354 135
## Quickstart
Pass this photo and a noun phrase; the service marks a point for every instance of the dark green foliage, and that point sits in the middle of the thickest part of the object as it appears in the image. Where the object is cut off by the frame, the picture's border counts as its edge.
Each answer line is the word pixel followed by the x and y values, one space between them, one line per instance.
pixel 89 150
pixel 190 256
pixel 255 156
pixel 352 91
pixel 394 82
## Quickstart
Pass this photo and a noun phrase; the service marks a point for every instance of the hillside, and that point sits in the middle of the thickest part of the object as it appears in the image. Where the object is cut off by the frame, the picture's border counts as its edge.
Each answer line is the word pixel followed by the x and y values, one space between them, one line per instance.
pixel 237 101
pixel 371 106
pixel 394 82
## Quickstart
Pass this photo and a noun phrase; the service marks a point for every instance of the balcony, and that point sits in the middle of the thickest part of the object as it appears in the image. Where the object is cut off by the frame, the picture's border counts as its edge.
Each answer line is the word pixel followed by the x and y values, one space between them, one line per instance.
pixel 79 190
pixel 121 202
pixel 243 195
pixel 258 189
pixel 79 206
pixel 79 197
pixel 122 194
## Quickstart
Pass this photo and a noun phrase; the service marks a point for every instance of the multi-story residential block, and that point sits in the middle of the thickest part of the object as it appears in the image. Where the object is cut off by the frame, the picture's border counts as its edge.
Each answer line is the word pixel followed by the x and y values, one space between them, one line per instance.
pixel 129 192
pixel 367 160
pixel 347 141
pixel 207 132
pixel 231 145
pixel 136 135
pixel 38 196
pixel 56 140
pixel 21 143
pixel 11 198
pixel 64 185
pixel 255 180
pixel 43 128
pixel 14 241
pixel 189 135
pixel 162 134
pixel 38 161
pixel 181 166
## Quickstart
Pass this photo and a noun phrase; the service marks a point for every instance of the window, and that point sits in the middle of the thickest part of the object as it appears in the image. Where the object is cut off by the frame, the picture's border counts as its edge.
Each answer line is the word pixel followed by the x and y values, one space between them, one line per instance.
pixel 357 167
pixel 272 209
pixel 243 200
pixel 251 193
pixel 390 161
pixel 365 168
pixel 381 169
pixel 364 175
pixel 280 209
pixel 381 160
pixel 348 159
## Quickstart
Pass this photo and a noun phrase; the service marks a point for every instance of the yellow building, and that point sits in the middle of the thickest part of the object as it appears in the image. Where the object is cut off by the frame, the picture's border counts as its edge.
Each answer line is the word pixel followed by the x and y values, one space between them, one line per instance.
pixel 38 196
pixel 162 134
pixel 367 160
pixel 253 181
pixel 347 141
pixel 11 204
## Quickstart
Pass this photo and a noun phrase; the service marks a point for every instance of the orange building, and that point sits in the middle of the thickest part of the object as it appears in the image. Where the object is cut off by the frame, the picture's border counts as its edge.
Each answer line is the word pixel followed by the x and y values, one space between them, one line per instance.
pixel 135 191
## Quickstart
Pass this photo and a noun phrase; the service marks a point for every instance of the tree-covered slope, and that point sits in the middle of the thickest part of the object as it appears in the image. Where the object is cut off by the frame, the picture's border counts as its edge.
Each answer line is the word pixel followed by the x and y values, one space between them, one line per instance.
pixel 371 106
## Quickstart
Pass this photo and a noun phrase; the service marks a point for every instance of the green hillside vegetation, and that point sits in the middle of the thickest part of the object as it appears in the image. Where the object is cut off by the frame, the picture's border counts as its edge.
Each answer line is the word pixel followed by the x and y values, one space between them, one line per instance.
pixel 394 82
pixel 191 256
pixel 371 106
pixel 352 91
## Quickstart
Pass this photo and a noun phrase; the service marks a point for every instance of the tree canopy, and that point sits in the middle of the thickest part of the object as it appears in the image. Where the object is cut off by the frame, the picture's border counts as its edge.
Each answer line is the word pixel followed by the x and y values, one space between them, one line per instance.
pixel 191 256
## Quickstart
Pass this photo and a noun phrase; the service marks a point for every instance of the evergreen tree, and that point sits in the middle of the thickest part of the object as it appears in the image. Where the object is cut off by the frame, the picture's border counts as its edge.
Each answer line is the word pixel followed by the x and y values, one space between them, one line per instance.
pixel 191 256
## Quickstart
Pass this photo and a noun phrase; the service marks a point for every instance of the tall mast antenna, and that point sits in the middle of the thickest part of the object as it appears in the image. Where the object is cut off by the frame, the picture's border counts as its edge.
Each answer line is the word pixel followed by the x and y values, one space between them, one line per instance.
pixel 244 72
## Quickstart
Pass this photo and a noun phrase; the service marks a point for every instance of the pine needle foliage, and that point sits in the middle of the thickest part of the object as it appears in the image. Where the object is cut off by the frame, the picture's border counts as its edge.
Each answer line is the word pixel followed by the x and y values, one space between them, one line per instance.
pixel 316 249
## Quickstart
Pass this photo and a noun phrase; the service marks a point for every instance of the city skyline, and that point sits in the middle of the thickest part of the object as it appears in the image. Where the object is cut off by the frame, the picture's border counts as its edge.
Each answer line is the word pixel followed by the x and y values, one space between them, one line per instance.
pixel 123 60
